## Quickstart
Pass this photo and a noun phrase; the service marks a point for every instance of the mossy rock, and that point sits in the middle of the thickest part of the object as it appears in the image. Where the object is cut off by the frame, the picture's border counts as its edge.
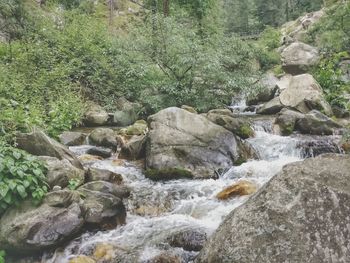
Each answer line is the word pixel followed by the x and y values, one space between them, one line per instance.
pixel 245 131
pixel 168 174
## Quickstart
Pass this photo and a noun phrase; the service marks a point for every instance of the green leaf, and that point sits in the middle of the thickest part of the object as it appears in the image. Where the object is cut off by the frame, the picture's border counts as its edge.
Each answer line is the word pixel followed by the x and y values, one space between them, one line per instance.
pixel 21 191
pixel 17 155
pixel 8 198
pixel 3 189
pixel 37 172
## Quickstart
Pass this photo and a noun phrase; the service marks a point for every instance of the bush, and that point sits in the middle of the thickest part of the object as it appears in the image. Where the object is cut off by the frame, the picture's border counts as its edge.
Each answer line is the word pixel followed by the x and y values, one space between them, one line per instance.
pixel 21 176
pixel 2 256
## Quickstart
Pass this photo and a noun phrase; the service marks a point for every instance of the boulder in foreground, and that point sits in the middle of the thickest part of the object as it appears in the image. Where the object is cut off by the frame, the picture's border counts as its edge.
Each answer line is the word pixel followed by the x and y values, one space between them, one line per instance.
pixel 301 215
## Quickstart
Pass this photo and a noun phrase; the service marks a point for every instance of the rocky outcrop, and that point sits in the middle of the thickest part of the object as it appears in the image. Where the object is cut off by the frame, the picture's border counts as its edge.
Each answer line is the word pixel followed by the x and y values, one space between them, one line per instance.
pixel 72 138
pixel 297 58
pixel 27 228
pixel 38 143
pixel 180 139
pixel 95 116
pixel 303 93
pixel 104 137
pixel 61 172
pixel 316 123
pixel 308 201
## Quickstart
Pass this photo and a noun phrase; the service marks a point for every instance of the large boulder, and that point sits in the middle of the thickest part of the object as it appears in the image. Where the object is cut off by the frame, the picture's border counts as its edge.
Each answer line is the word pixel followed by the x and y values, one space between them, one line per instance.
pixel 286 120
pixel 304 94
pixel 95 116
pixel 38 143
pixel 180 139
pixel 126 113
pixel 27 228
pixel 301 215
pixel 297 58
pixel 316 123
pixel 272 107
pixel 104 137
pixel 61 172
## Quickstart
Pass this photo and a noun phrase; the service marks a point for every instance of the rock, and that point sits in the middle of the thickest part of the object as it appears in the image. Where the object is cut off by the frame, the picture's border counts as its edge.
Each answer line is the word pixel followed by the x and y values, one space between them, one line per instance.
pixel 317 145
pixel 344 67
pixel 267 91
pixel 126 113
pixel 189 109
pixel 308 201
pixel 27 229
pixel 164 258
pixel 297 58
pixel 38 143
pixel 238 126
pixel 134 149
pixel 140 127
pixel 316 123
pixel 60 172
pixel 104 251
pixel 226 112
pixel 189 239
pixel 168 174
pixel 100 208
pixel 305 94
pixel 108 188
pixel 82 259
pixel 87 158
pixel 104 137
pixel 180 139
pixel 72 138
pixel 286 121
pixel 95 116
pixel 95 174
pixel 100 151
pixel 346 147
pixel 61 198
pixel 272 107
pixel 238 189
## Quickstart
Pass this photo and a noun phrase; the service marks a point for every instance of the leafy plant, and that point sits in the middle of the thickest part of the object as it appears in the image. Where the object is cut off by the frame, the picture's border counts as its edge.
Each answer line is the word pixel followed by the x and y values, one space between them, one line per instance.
pixel 73 183
pixel 21 176
pixel 2 256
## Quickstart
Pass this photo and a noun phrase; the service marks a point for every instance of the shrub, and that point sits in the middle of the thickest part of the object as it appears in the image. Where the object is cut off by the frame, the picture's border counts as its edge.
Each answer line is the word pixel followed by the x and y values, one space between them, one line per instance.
pixel 21 176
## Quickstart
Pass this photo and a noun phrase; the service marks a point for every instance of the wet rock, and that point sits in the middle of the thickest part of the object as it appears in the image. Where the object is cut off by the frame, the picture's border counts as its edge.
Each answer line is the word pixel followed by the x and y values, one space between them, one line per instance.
pixel 316 123
pixel 297 58
pixel 95 174
pixel 272 107
pixel 134 149
pixel 180 139
pixel 104 252
pixel 168 174
pixel 140 127
pixel 304 94
pixel 104 137
pixel 60 172
pixel 88 158
pixel 238 126
pixel 307 201
pixel 82 259
pixel 267 92
pixel 72 138
pixel 38 143
pixel 100 151
pixel 238 189
pixel 27 229
pixel 286 121
pixel 95 116
pixel 318 145
pixel 126 113
pixel 189 109
pixel 190 239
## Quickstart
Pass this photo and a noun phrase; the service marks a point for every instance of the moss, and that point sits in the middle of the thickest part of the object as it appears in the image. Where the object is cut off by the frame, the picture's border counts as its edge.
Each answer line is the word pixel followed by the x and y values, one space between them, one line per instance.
pixel 287 129
pixel 168 174
pixel 245 131
pixel 239 161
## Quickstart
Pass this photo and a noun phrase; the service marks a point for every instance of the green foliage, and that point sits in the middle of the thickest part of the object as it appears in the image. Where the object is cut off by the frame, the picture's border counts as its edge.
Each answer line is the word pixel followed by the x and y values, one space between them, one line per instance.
pixel 332 33
pixel 73 183
pixel 21 176
pixel 328 74
pixel 2 256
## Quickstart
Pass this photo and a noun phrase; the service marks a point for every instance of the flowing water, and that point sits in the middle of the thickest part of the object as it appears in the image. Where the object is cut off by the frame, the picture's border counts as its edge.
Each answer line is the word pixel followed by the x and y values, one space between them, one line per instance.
pixel 156 210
